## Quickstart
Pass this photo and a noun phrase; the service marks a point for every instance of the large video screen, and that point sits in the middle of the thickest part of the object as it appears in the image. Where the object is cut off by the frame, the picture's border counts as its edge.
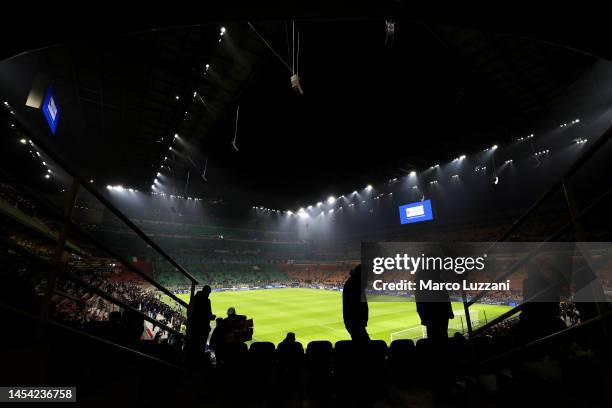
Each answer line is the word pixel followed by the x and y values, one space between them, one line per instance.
pixel 51 110
pixel 416 212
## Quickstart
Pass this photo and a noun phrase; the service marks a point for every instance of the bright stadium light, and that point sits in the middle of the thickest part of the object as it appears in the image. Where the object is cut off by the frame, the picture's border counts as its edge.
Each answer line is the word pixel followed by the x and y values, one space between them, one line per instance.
pixel 493 147
pixel 170 148
pixel 309 207
pixel 368 187
pixel 355 192
pixel 289 212
pixel 222 31
pixel 319 204
pixel 331 200
pixel 23 141
pixel 412 173
pixel 47 176
pixel 109 187
pixel 176 134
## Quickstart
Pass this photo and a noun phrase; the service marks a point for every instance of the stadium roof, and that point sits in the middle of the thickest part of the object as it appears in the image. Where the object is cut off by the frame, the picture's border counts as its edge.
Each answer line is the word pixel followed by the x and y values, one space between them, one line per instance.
pixel 368 112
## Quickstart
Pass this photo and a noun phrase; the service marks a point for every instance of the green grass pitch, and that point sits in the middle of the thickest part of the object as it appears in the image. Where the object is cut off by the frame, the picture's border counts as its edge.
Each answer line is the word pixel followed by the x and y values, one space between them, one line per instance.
pixel 314 314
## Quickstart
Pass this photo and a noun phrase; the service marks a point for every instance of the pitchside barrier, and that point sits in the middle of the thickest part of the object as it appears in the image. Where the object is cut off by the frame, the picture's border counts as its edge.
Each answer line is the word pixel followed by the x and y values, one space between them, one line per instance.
pixel 458 324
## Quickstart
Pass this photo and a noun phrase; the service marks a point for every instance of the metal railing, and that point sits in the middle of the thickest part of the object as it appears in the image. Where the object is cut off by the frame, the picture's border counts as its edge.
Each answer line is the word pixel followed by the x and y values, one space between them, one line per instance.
pixel 70 227
pixel 562 184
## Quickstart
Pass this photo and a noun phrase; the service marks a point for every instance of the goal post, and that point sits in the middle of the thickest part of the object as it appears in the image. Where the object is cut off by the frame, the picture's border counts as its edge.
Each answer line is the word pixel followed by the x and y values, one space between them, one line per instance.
pixel 459 323
pixel 411 333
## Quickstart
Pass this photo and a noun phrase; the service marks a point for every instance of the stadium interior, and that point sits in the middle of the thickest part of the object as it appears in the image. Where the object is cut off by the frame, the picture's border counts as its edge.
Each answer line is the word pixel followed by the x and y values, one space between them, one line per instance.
pixel 147 165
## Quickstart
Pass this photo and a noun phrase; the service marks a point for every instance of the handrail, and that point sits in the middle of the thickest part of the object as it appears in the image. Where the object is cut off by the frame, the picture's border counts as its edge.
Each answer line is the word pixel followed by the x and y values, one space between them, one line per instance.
pixel 574 167
pixel 89 287
pixel 544 339
pixel 91 336
pixel 57 159
pixel 518 308
pixel 54 211
pixel 533 252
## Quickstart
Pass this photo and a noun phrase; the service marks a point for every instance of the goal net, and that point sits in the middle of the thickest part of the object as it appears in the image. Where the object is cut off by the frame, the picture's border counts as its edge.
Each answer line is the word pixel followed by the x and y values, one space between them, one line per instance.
pixel 459 323
pixel 412 333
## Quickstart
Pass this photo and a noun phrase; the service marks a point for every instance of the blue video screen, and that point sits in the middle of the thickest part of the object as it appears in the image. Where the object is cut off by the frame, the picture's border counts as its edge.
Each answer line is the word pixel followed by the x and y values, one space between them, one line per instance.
pixel 51 110
pixel 416 212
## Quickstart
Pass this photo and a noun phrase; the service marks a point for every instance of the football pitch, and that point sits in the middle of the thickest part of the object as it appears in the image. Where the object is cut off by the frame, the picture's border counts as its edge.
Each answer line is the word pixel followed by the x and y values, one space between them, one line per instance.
pixel 314 314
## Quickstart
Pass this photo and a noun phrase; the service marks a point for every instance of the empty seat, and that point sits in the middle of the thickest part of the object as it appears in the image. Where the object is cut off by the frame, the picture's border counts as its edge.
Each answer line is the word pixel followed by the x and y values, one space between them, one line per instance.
pixel 261 355
pixel 319 352
pixel 319 366
pixel 261 369
pixel 290 355
pixel 262 347
pixel 401 357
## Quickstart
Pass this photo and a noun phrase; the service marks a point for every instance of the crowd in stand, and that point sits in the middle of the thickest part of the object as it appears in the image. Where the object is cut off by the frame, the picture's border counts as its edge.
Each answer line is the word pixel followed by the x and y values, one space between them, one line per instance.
pixel 10 195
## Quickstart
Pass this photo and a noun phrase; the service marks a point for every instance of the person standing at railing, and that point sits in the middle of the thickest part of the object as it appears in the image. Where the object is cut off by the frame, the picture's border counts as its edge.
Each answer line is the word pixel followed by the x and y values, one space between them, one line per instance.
pixel 200 320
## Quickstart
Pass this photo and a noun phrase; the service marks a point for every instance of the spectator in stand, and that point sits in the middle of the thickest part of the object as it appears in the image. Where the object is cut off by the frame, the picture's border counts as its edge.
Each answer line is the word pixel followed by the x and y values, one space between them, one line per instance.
pixel 201 315
pixel 290 338
pixel 355 307
pixel 434 307
pixel 133 324
pixel 231 314
pixel 217 339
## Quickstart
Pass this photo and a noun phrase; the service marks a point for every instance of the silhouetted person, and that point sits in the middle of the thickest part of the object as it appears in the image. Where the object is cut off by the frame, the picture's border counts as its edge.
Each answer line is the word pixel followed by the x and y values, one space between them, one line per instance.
pixel 201 315
pixel 133 324
pixel 290 338
pixel 433 306
pixel 217 339
pixel 354 309
pixel 231 314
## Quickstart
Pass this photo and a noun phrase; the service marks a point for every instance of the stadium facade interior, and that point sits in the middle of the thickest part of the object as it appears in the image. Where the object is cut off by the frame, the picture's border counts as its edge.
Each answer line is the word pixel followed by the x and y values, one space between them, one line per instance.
pixel 256 158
